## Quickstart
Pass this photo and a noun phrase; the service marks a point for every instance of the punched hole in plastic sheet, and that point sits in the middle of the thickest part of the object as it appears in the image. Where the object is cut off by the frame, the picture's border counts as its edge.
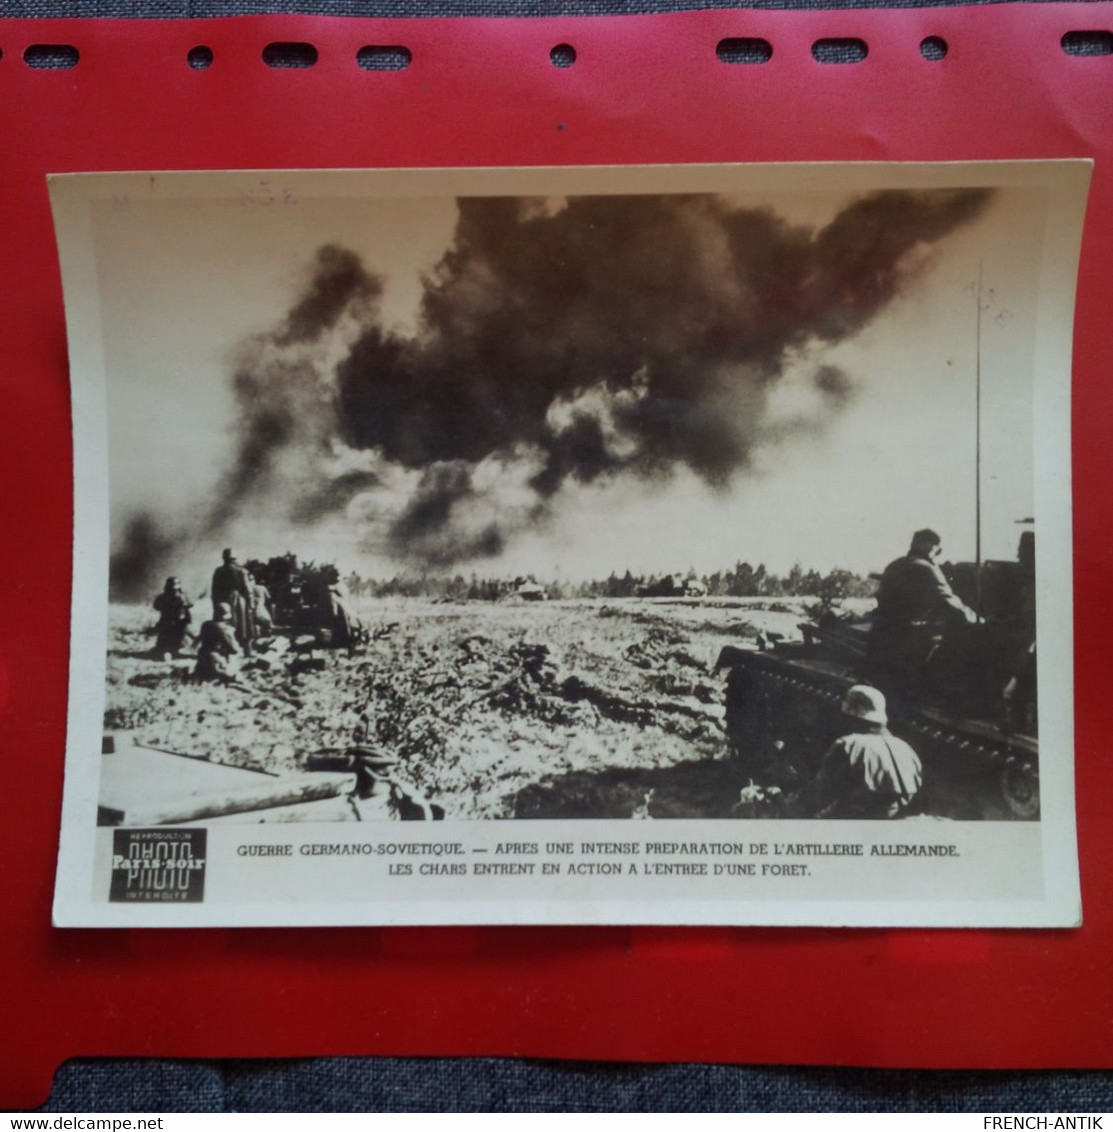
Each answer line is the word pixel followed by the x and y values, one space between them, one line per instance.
pixel 563 55
pixel 1087 43
pixel 848 49
pixel 744 50
pixel 291 56
pixel 384 58
pixel 933 48
pixel 51 56
pixel 200 58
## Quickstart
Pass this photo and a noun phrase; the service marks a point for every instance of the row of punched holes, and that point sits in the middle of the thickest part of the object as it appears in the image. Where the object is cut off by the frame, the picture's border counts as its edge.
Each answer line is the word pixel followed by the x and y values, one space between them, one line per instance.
pixel 63 56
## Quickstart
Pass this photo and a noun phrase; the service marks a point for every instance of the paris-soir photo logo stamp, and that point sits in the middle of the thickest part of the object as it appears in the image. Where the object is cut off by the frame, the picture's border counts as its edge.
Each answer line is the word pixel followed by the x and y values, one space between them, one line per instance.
pixel 158 866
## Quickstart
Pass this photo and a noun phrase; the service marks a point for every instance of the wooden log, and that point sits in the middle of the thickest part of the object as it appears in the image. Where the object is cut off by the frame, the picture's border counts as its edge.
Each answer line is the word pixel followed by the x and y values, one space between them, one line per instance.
pixel 277 792
pixel 335 809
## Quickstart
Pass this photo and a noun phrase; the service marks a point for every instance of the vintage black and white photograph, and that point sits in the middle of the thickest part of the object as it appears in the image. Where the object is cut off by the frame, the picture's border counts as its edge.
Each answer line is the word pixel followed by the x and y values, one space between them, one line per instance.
pixel 587 498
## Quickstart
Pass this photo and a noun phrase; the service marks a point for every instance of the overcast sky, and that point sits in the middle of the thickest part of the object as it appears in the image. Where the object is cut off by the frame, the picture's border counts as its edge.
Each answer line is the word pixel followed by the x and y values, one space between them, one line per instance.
pixel 186 286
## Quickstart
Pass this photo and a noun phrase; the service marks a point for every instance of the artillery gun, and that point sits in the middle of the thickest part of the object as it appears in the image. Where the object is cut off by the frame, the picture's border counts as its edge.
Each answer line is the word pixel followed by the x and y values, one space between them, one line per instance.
pixel 304 598
pixel 972 722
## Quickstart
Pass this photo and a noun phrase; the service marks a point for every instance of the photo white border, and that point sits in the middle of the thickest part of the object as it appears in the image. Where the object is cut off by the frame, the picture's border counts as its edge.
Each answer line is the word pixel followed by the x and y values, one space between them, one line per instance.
pixel 1051 842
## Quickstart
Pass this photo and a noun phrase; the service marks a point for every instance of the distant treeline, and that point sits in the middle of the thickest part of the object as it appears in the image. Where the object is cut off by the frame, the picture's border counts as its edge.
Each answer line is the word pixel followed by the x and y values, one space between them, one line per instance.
pixel 744 580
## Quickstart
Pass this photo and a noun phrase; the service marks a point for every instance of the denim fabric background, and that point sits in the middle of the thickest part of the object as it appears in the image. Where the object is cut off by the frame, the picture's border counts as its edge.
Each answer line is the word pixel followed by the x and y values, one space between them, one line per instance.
pixel 507 1085
pixel 388 1084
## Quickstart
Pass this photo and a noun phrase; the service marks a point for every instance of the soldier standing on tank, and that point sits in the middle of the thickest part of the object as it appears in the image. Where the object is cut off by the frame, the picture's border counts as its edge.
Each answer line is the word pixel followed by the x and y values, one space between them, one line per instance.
pixel 915 607
pixel 174 616
pixel 232 587
pixel 868 773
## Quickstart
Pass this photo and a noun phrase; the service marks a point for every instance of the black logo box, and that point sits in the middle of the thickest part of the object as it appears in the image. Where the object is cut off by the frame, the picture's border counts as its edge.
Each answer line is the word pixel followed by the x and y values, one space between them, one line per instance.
pixel 165 866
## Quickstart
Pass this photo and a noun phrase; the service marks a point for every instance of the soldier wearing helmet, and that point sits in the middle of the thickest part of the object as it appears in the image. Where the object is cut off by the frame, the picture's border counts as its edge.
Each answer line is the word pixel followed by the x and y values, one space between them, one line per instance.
pixel 231 587
pixel 174 616
pixel 217 647
pixel 913 588
pixel 915 608
pixel 868 773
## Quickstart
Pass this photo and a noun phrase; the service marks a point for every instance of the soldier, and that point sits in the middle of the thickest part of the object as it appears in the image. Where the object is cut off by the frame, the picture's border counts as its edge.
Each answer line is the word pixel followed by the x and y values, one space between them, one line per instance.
pixel 345 628
pixel 915 606
pixel 231 587
pixel 174 616
pixel 261 605
pixel 868 773
pixel 217 647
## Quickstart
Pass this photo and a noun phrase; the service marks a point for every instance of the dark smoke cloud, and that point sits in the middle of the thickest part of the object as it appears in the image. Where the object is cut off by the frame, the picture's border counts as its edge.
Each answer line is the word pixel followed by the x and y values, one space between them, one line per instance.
pixel 863 252
pixel 687 305
pixel 599 337
pixel 834 383
pixel 338 279
pixel 144 553
pixel 426 529
pixel 333 495
pixel 266 425
pixel 578 451
pixel 283 397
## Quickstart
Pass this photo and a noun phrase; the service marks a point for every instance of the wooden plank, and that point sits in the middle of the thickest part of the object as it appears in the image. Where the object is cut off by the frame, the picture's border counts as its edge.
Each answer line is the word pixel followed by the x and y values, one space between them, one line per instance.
pixel 339 808
pixel 145 786
pixel 136 777
pixel 275 792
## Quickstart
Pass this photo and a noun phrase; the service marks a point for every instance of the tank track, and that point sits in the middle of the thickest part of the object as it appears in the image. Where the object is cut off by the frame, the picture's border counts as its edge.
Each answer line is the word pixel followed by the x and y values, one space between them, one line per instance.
pixel 781 707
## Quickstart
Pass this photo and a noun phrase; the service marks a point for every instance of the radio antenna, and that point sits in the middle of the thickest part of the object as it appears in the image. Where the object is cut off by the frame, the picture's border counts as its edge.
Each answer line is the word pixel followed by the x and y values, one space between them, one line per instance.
pixel 978 448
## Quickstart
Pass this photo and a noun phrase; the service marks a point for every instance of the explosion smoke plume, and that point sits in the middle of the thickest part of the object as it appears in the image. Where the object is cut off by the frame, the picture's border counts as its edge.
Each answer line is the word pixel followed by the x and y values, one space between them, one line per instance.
pixel 562 341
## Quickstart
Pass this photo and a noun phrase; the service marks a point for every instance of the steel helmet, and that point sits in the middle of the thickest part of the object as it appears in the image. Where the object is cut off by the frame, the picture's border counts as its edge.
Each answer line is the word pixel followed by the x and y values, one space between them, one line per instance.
pixel 866 703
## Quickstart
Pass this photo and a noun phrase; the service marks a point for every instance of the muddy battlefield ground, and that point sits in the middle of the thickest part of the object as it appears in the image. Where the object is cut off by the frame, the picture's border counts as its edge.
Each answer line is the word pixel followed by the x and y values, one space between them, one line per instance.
pixel 494 710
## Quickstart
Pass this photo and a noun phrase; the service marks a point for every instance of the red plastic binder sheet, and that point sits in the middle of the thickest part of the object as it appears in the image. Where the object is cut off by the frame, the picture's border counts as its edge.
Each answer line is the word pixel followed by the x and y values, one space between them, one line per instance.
pixel 642 90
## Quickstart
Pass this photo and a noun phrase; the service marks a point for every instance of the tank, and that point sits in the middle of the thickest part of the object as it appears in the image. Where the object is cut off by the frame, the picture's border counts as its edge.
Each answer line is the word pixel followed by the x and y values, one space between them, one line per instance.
pixel 970 717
